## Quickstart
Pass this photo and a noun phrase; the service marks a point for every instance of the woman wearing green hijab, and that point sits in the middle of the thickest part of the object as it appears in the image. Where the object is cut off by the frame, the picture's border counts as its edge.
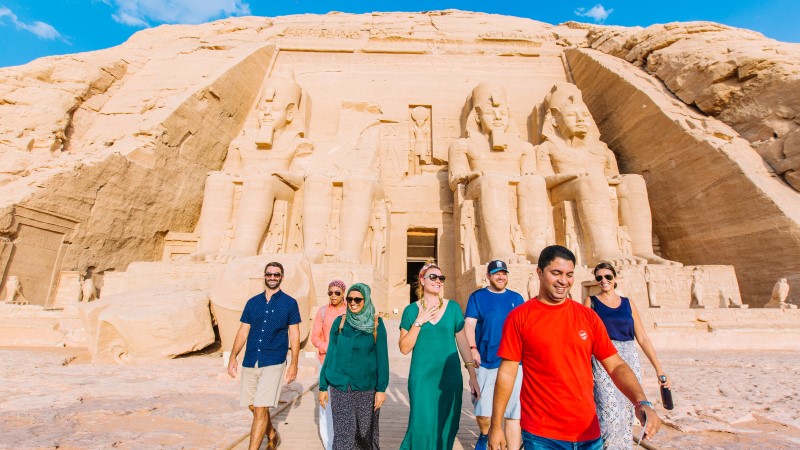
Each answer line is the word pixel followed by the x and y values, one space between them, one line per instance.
pixel 356 369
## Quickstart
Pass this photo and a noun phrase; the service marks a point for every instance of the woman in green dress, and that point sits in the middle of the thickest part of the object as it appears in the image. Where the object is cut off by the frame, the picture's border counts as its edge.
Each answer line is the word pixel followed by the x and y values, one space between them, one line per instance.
pixel 434 329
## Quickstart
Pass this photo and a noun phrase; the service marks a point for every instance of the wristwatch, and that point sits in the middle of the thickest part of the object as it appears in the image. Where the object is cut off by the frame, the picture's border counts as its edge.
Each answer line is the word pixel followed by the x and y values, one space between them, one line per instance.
pixel 417 324
pixel 643 403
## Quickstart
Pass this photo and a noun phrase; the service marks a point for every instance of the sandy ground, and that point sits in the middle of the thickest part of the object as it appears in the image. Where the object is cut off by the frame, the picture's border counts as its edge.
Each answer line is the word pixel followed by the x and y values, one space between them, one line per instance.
pixel 55 398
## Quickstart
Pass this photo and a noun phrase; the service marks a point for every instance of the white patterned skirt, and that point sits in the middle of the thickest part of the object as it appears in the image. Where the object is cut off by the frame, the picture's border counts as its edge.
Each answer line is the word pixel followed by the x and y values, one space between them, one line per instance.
pixel 614 410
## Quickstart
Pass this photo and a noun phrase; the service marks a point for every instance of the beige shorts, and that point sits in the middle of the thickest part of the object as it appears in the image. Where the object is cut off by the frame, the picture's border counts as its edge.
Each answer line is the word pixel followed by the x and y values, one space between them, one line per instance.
pixel 261 386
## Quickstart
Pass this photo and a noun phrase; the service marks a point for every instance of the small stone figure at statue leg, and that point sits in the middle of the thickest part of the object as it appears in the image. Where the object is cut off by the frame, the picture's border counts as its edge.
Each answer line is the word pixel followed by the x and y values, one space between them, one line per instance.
pixel 14 291
pixel 697 289
pixel 780 292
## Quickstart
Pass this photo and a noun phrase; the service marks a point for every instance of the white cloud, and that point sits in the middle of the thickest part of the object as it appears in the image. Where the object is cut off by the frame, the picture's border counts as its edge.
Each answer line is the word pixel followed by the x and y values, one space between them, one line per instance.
pixel 41 29
pixel 598 13
pixel 141 13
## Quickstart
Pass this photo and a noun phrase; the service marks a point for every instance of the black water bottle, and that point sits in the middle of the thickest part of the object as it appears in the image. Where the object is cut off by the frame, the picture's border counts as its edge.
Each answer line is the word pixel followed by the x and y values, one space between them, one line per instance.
pixel 666 394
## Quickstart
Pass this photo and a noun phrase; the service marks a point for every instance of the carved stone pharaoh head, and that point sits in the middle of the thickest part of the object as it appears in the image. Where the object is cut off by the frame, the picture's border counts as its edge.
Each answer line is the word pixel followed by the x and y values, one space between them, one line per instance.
pixel 567 115
pixel 278 107
pixel 280 99
pixel 491 108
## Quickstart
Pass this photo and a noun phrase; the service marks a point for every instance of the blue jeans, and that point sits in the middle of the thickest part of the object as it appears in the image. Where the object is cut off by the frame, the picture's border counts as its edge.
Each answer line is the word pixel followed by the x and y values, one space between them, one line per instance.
pixel 532 442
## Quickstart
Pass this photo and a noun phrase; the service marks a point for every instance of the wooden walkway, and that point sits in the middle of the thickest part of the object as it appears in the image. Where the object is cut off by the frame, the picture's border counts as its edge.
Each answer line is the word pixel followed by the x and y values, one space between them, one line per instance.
pixel 298 424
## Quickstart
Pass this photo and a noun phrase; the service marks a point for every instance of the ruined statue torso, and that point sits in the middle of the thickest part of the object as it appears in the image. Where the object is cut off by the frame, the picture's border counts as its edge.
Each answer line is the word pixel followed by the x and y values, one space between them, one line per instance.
pixel 507 162
pixel 275 159
pixel 590 159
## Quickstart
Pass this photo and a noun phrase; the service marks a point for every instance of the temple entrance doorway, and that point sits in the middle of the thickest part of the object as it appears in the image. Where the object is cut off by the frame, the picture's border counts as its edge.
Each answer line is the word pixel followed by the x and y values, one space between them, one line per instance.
pixel 421 248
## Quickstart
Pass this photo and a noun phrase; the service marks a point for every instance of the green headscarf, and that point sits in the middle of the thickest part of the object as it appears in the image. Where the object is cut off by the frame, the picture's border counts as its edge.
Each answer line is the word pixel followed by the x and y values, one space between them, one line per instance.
pixel 363 320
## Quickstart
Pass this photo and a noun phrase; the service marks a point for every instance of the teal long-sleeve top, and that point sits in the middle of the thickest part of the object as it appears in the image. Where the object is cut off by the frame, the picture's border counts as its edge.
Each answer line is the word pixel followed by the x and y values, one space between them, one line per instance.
pixel 355 359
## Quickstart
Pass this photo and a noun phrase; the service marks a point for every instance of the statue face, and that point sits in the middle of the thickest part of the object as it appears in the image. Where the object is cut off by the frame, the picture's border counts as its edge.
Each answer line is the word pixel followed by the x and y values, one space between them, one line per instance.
pixel 277 115
pixel 573 120
pixel 493 117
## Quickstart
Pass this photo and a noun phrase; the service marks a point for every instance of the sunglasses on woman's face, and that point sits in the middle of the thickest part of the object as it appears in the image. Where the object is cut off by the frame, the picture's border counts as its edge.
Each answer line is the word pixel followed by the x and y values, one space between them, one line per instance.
pixel 434 277
pixel 336 293
pixel 355 300
pixel 599 278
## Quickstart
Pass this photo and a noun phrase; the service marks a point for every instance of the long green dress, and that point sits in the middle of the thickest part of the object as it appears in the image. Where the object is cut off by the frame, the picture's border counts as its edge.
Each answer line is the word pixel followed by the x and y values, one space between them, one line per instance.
pixel 434 381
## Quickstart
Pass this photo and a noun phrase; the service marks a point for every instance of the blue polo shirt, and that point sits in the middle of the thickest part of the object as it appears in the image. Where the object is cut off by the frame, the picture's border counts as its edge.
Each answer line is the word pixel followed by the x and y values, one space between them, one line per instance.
pixel 268 340
pixel 491 310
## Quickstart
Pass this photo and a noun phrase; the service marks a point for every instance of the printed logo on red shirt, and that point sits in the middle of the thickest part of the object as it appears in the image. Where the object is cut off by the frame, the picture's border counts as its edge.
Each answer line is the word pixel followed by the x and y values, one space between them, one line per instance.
pixel 583 335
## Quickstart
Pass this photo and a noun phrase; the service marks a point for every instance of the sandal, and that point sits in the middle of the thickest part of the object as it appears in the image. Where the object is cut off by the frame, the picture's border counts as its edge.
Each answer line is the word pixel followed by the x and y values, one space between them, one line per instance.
pixel 274 441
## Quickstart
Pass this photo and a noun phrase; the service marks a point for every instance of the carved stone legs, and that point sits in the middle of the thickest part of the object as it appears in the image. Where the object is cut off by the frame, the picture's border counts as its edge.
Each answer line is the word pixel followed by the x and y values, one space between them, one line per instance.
pixel 318 192
pixel 492 194
pixel 216 212
pixel 357 199
pixel 595 214
pixel 255 211
pixel 634 213
pixel 533 214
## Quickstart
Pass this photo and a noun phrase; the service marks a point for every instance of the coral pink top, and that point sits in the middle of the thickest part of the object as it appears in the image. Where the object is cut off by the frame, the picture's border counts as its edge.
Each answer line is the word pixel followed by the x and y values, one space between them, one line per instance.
pixel 322 327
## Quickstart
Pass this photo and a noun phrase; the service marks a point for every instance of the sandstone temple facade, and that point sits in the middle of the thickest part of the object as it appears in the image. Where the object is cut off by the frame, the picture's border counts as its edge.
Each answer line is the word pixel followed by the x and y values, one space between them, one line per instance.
pixel 163 173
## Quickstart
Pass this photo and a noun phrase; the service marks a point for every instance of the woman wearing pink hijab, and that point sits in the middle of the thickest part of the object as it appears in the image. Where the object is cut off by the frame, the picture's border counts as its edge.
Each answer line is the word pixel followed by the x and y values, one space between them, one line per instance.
pixel 319 337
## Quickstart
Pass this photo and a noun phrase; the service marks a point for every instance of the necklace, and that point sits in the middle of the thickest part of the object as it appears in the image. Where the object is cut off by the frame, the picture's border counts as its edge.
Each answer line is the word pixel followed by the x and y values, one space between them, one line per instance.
pixel 424 306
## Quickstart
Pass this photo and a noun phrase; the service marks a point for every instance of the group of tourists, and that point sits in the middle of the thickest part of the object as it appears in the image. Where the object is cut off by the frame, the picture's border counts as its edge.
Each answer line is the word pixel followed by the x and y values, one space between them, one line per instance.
pixel 547 373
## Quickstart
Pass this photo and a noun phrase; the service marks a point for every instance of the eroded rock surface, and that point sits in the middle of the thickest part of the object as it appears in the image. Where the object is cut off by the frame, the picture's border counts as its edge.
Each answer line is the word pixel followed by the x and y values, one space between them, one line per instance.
pixel 738 76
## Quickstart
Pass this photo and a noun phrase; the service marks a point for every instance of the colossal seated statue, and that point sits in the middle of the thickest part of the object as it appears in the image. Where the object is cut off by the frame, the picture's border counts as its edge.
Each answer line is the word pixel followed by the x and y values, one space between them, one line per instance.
pixel 579 167
pixel 266 162
pixel 491 161
pixel 352 162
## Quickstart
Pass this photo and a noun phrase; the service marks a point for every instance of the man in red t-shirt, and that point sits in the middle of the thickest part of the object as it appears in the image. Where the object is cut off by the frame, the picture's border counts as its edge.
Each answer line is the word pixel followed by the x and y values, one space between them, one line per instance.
pixel 554 337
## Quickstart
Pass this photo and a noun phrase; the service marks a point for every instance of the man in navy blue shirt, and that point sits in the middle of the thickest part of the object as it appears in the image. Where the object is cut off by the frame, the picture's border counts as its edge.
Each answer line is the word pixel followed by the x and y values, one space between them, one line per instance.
pixel 486 312
pixel 270 326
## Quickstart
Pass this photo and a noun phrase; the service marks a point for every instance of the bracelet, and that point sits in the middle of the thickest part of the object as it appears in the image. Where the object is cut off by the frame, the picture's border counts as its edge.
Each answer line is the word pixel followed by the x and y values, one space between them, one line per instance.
pixel 643 403
pixel 468 364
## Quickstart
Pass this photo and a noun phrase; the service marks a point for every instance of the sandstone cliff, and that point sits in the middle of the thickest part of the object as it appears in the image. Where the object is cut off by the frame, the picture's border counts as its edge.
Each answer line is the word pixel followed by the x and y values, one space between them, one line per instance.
pixel 737 76
pixel 114 146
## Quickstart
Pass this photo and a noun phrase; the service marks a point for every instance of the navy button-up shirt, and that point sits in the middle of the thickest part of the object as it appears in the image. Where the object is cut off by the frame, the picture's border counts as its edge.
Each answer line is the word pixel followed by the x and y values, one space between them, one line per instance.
pixel 268 340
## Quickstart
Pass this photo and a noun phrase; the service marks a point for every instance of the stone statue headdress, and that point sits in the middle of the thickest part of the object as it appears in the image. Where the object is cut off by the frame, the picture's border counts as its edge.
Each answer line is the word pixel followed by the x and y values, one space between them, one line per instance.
pixel 282 89
pixel 487 93
pixel 560 95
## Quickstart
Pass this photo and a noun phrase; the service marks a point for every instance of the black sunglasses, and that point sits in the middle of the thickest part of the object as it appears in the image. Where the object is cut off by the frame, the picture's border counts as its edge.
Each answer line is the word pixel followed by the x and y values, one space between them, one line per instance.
pixel 272 275
pixel 434 277
pixel 334 293
pixel 606 276
pixel 355 300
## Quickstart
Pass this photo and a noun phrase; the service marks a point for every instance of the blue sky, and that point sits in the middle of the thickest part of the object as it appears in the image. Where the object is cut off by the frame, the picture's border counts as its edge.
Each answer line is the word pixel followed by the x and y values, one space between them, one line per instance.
pixel 30 29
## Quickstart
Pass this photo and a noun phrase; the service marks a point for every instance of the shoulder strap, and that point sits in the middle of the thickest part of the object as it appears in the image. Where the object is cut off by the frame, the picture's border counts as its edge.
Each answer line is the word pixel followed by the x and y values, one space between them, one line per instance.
pixel 341 323
pixel 375 330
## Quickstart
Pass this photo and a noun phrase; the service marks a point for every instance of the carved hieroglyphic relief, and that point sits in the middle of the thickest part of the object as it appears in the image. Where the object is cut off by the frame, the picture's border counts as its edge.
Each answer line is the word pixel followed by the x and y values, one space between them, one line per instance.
pixel 38 249
pixel 421 152
pixel 393 160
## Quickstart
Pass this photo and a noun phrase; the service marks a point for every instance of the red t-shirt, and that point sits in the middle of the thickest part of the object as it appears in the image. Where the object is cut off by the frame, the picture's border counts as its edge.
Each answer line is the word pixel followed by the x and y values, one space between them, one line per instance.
pixel 555 344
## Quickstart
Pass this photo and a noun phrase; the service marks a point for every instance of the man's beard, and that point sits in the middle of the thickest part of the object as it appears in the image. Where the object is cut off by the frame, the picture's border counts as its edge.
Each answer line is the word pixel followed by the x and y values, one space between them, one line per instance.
pixel 497 286
pixel 277 284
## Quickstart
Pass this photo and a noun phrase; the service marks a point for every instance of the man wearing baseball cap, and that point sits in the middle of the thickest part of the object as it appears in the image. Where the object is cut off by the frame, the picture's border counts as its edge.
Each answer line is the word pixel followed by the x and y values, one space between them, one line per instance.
pixel 486 312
